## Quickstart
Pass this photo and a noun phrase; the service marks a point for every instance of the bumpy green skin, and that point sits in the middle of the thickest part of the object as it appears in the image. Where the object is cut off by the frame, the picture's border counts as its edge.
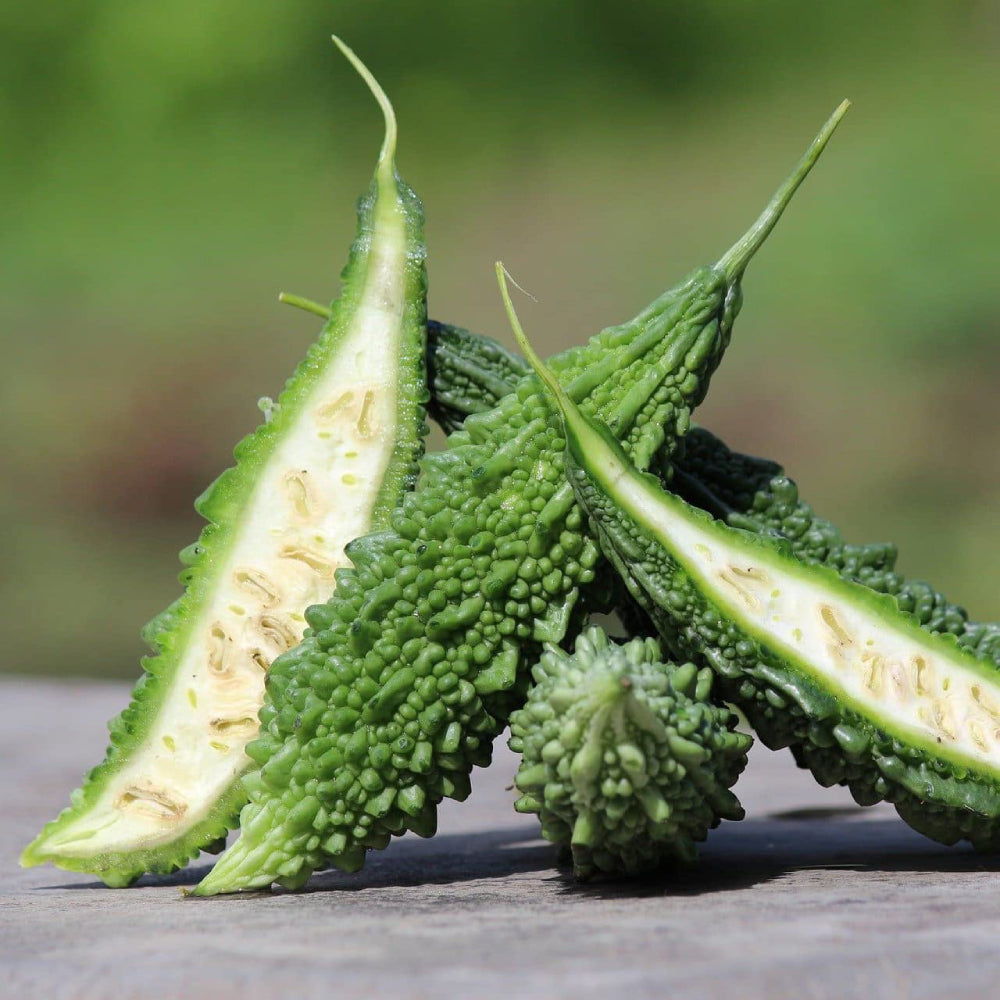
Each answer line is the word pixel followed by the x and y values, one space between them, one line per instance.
pixel 936 796
pixel 405 678
pixel 625 758
pixel 754 494
pixel 467 373
pixel 222 505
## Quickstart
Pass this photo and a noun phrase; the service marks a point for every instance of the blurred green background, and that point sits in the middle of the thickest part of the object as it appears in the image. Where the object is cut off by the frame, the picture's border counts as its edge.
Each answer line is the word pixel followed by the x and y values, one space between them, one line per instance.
pixel 168 168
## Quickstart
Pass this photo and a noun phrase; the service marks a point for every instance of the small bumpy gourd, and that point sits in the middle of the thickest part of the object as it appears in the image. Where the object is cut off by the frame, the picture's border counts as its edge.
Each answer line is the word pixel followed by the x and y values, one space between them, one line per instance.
pixel 625 759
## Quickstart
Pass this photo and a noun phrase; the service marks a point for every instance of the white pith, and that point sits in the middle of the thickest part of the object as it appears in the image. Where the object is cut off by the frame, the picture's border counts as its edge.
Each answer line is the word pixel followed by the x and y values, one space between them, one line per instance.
pixel 884 671
pixel 315 493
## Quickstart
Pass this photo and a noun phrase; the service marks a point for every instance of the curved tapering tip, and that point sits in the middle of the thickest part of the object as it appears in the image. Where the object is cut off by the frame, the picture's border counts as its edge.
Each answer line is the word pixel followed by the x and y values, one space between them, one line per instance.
pixel 734 262
pixel 541 369
pixel 387 156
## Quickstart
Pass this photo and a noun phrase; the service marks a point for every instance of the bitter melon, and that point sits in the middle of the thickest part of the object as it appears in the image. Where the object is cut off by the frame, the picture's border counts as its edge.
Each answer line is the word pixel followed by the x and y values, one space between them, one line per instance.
pixel 330 462
pixel 625 758
pixel 862 694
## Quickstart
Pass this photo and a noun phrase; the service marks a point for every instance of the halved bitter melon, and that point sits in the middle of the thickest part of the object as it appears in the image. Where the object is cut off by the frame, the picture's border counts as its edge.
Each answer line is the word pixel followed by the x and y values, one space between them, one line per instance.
pixel 330 462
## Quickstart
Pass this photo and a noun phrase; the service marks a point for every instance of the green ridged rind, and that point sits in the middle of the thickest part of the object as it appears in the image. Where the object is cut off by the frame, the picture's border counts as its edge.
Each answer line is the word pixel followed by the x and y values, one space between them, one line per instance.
pixel 221 504
pixel 625 758
pixel 413 666
pixel 939 794
pixel 467 373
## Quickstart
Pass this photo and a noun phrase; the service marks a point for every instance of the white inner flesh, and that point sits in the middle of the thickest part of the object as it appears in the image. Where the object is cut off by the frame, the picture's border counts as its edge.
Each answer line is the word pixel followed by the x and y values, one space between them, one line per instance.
pixel 884 672
pixel 315 493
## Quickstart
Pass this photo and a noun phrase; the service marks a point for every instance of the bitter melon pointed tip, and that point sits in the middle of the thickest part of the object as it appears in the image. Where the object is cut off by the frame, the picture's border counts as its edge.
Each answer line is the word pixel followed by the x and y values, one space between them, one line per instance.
pixel 285 298
pixel 541 369
pixel 388 154
pixel 217 883
pixel 734 262
pixel 39 852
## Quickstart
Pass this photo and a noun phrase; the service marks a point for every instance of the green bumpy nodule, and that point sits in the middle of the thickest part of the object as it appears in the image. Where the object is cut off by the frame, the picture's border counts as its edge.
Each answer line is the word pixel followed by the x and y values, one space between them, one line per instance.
pixel 624 757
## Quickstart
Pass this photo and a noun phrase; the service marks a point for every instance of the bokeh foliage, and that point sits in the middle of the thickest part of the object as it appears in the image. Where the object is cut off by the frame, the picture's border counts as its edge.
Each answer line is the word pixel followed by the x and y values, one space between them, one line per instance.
pixel 167 168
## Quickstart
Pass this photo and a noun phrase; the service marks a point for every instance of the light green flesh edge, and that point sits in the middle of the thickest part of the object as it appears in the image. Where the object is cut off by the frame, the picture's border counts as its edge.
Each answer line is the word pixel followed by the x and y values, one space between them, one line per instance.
pixel 387 255
pixel 666 518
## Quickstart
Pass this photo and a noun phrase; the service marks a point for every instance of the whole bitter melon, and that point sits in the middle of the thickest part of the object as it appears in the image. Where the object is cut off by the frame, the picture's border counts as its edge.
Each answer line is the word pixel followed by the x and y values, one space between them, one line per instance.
pixel 331 461
pixel 861 693
pixel 625 758
pixel 406 677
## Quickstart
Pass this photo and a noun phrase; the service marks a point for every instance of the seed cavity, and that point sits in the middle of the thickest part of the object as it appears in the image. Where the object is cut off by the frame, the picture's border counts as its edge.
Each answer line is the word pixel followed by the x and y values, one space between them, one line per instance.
pixel 150 802
pixel 257 585
pixel 314 560
pixel 874 664
pixel 900 683
pixel 218 647
pixel 259 659
pixel 234 726
pixel 278 631
pixel 988 706
pixel 836 627
pixel 749 599
pixel 365 428
pixel 328 412
pixel 978 736
pixel 923 676
pixel 751 573
pixel 302 494
pixel 944 720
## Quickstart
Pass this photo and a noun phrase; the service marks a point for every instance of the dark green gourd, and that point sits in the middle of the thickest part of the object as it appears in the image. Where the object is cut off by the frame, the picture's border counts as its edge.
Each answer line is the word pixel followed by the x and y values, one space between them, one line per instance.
pixel 408 672
pixel 338 449
pixel 625 758
pixel 861 693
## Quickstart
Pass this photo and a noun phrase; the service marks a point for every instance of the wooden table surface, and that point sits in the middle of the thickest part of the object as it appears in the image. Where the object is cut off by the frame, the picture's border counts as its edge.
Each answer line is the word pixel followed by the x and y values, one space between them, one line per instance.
pixel 809 897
